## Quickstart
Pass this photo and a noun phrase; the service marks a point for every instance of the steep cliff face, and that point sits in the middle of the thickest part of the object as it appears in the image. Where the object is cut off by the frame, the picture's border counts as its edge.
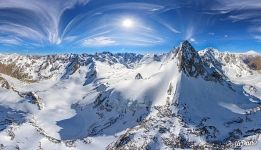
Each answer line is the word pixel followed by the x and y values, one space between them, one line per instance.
pixel 188 60
pixel 191 64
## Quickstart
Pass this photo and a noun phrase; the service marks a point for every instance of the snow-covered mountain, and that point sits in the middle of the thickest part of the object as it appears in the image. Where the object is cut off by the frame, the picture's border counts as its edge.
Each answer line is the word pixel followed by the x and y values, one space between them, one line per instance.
pixel 181 99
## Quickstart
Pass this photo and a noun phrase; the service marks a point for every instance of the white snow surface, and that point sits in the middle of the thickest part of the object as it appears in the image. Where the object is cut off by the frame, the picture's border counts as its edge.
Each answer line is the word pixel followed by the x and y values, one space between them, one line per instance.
pixel 78 114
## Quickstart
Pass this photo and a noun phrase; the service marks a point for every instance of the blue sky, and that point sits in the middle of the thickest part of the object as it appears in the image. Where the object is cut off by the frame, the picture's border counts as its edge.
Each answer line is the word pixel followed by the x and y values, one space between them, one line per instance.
pixel 77 26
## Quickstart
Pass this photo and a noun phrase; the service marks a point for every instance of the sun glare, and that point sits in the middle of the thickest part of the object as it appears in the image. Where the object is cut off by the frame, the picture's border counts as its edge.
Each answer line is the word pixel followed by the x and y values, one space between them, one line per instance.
pixel 127 23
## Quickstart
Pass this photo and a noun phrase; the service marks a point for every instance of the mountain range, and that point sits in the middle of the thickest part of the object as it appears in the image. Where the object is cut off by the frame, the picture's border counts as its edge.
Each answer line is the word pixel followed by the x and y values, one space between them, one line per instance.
pixel 183 99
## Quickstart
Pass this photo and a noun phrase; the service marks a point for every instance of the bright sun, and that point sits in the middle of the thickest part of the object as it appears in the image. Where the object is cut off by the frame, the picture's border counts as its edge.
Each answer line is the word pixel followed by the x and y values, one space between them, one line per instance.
pixel 127 23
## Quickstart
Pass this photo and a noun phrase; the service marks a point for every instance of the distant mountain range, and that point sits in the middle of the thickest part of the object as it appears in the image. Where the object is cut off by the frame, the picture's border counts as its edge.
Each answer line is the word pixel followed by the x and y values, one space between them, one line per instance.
pixel 183 99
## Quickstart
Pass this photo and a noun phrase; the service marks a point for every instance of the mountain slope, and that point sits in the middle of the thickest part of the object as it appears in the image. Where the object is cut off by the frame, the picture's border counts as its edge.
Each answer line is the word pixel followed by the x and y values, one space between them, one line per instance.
pixel 199 113
pixel 182 99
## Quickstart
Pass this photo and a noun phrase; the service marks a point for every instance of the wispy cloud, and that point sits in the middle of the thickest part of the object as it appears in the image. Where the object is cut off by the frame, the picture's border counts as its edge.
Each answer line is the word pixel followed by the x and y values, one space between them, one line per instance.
pixel 256 32
pixel 258 37
pixel 98 23
pixel 98 41
pixel 240 10
pixel 146 7
pixel 211 33
pixel 10 41
pixel 256 29
pixel 237 5
pixel 168 25
pixel 34 19
pixel 45 22
pixel 113 33
pixel 192 40
pixel 21 31
pixel 189 32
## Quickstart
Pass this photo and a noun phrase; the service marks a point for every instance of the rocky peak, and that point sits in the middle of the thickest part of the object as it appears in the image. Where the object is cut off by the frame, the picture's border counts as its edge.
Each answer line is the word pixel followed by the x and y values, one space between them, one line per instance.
pixel 72 66
pixel 189 60
pixel 185 46
pixel 208 56
pixel 190 63
pixel 209 51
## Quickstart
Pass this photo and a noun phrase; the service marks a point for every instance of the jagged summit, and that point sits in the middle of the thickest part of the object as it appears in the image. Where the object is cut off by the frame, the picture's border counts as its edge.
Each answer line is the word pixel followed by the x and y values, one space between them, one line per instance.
pixel 186 46
pixel 189 60
pixel 209 50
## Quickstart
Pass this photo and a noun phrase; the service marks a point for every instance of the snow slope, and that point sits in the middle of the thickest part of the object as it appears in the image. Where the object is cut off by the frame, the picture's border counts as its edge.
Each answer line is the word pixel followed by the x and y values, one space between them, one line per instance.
pixel 181 99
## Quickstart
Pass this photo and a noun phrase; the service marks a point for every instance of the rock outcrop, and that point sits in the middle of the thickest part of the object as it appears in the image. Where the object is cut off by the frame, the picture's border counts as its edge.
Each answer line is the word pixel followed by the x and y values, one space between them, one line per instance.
pixel 4 83
pixel 138 76
pixel 191 64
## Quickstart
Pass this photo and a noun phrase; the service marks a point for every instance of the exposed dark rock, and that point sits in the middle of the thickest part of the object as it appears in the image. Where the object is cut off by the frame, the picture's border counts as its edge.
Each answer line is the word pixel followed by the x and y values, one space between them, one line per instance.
pixel 163 130
pixel 124 140
pixel 170 89
pixel 72 67
pixel 14 71
pixel 138 76
pixel 189 60
pixel 4 83
pixel 92 73
pixel 253 62
pixel 234 135
pixel 233 122
pixel 35 99
pixel 192 65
